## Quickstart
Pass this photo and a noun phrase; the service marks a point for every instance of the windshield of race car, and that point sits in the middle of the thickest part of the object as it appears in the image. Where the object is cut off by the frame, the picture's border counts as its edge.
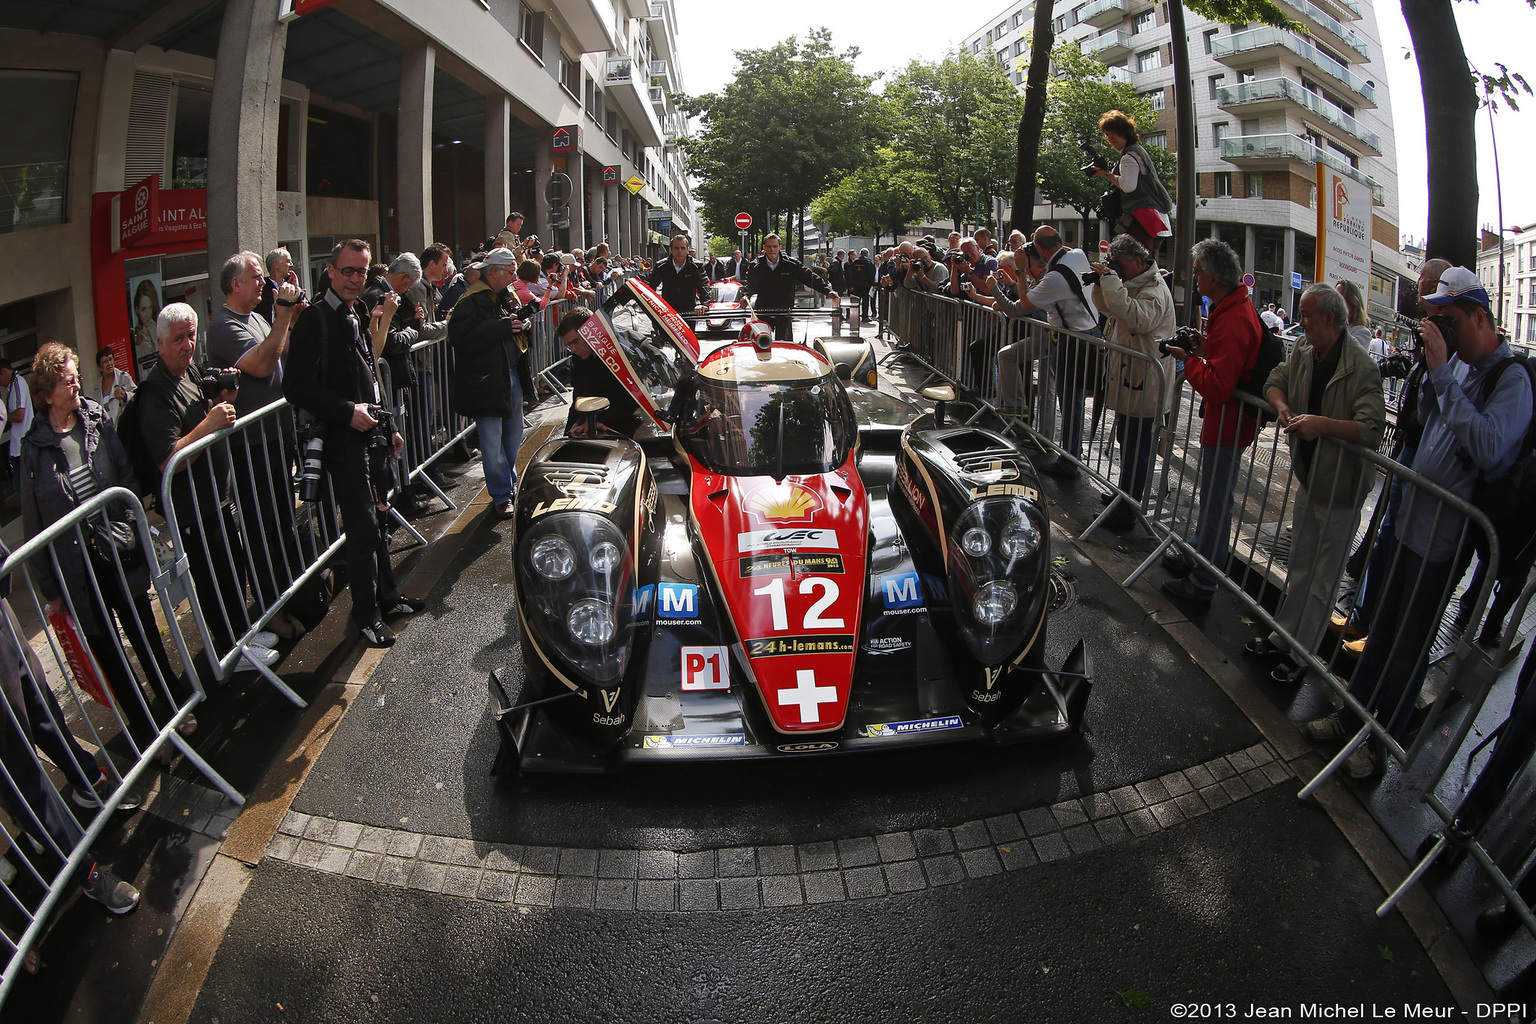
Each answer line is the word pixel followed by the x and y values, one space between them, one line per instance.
pixel 768 429
pixel 648 348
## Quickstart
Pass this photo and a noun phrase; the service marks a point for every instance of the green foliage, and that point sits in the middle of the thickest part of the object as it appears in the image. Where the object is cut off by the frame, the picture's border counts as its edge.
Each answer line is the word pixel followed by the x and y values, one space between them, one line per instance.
pixel 796 119
pixel 1238 12
pixel 957 121
pixel 1135 998
pixel 1079 92
pixel 1505 87
pixel 722 245
pixel 880 199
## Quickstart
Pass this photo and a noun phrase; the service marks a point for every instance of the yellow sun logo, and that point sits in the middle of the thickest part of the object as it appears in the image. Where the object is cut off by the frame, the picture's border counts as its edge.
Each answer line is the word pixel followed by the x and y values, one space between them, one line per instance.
pixel 783 503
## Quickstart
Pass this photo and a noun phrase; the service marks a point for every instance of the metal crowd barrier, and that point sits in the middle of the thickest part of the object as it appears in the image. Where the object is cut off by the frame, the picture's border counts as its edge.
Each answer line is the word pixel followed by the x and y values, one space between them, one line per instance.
pixel 1273 533
pixel 78 687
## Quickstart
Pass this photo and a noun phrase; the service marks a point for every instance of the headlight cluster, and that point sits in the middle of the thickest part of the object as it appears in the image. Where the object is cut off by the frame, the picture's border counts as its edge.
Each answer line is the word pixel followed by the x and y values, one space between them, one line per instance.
pixel 997 562
pixel 578 588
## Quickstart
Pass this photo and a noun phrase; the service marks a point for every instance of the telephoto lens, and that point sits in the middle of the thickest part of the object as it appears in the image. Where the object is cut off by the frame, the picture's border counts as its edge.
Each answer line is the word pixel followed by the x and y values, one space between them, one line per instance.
pixel 313 470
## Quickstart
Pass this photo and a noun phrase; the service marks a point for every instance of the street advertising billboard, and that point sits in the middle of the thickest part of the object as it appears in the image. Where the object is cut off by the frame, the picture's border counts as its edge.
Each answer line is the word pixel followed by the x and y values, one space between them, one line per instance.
pixel 1343 229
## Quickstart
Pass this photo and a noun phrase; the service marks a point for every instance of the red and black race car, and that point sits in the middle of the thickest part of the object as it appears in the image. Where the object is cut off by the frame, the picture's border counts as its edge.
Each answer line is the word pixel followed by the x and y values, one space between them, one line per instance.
pixel 778 564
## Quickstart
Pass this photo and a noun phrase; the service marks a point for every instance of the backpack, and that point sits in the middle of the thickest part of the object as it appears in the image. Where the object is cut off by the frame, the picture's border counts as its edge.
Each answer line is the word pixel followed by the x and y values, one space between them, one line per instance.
pixel 1270 355
pixel 1508 500
pixel 130 431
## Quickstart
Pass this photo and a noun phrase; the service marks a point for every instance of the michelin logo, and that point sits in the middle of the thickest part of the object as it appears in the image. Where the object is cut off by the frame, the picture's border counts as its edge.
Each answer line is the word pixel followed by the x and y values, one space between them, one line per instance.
pixel 902 591
pixel 673 742
pixel 908 728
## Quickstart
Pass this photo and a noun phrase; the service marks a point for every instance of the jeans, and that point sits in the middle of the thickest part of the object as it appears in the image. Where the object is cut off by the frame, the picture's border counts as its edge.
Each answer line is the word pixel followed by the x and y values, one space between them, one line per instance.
pixel 1391 670
pixel 1213 525
pixel 500 437
pixel 1134 435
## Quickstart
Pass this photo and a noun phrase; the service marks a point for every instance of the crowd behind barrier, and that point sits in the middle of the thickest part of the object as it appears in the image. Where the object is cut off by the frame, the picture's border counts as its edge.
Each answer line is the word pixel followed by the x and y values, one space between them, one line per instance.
pixel 1049 385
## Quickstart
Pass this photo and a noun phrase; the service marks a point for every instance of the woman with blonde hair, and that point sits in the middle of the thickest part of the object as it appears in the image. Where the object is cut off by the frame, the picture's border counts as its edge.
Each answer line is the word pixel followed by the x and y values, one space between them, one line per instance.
pixel 1354 301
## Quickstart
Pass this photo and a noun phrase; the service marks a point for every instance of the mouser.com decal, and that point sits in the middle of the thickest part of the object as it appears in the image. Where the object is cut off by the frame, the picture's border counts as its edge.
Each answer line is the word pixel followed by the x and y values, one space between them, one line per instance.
pixel 674 742
pixel 706 668
pixel 678 603
pixel 902 591
pixel 773 540
pixel 909 728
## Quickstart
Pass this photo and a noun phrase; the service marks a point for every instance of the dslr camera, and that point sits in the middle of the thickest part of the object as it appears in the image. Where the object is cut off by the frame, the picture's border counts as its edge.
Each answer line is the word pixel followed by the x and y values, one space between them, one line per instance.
pixel 1186 338
pixel 212 382
pixel 1095 162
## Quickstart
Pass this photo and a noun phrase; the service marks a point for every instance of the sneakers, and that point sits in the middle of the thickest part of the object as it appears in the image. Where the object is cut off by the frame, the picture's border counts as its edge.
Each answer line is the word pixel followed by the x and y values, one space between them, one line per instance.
pixel 1362 763
pixel 255 654
pixel 1183 589
pixel 110 891
pixel 376 634
pixel 265 638
pixel 97 795
pixel 403 605
pixel 1327 728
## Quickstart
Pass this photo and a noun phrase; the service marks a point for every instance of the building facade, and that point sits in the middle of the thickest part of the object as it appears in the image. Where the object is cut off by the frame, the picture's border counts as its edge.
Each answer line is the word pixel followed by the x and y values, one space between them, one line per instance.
pixel 1513 294
pixel 162 135
pixel 1269 105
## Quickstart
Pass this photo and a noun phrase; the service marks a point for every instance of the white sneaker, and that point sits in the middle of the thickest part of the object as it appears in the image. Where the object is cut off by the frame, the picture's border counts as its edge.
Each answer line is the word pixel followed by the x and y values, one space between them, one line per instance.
pixel 255 653
pixel 264 638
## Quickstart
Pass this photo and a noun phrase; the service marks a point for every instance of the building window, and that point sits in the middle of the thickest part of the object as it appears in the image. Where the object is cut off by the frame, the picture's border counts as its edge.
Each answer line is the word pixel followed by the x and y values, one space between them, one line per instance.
pixel 1149 61
pixel 1158 139
pixel 1145 22
pixel 1018 47
pixel 1533 293
pixel 1223 184
pixel 531 30
pixel 1253 185
pixel 1002 27
pixel 1018 18
pixel 611 124
pixel 1246 76
pixel 976 46
pixel 589 93
pixel 1210 35
pixel 1217 83
pixel 1060 24
pixel 570 75
pixel 1219 132
pixel 1157 98
pixel 1018 78
pixel 339 155
pixel 189 137
pixel 34 174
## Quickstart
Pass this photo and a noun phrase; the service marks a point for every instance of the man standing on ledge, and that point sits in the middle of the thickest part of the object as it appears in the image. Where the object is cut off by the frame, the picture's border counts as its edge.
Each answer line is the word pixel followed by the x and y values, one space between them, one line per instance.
pixel 772 278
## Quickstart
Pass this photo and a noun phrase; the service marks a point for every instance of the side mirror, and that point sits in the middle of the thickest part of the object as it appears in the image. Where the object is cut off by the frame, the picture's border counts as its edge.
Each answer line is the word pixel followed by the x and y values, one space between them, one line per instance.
pixel 939 396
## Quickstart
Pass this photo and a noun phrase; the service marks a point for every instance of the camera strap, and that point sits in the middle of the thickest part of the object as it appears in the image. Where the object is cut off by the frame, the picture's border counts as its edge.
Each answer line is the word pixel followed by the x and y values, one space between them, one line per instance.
pixel 1070 276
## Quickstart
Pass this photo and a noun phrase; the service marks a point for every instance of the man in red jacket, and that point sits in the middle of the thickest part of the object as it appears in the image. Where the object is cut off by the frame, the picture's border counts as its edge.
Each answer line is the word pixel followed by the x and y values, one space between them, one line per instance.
pixel 1225 355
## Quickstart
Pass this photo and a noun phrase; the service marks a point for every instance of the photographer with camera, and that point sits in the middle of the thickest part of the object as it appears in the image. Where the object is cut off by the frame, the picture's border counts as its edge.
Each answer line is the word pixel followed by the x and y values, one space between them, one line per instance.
pixel 1139 307
pixel 1144 202
pixel 924 273
pixel 331 375
pixel 1213 364
pixel 489 345
pixel 181 405
pixel 239 337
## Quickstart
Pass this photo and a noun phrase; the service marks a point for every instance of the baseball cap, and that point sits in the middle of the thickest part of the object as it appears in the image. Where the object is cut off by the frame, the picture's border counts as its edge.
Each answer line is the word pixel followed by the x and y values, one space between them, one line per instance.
pixel 500 256
pixel 1459 283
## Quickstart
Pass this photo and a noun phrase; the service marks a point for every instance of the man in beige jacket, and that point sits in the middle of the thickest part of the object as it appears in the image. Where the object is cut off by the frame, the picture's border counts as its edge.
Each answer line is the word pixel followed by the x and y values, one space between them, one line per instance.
pixel 1132 294
pixel 1329 387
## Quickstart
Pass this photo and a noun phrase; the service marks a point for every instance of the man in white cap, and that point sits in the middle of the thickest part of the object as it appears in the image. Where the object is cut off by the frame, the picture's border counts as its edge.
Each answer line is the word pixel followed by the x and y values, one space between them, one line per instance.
pixel 1472 432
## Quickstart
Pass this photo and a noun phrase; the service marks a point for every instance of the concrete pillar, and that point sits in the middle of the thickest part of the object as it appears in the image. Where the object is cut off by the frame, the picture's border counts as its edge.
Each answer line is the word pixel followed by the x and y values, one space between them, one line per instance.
pixel 543 166
pixel 613 202
pixel 1250 247
pixel 414 174
pixel 1289 265
pixel 242 131
pixel 498 164
pixel 632 237
pixel 576 168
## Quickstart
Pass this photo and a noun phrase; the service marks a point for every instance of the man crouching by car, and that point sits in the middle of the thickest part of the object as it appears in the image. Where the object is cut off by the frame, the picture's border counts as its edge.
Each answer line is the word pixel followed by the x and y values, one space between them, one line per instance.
pixel 490 372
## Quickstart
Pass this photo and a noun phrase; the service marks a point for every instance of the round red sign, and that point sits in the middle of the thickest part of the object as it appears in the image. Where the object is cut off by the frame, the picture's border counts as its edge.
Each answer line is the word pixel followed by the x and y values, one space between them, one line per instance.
pixel 743 221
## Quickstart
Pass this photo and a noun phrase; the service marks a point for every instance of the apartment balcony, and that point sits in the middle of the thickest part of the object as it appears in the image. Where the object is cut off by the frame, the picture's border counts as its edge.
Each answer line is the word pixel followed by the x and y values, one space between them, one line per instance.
pixel 1110 46
pixel 591 23
pixel 626 89
pixel 1280 152
pixel 1118 76
pixel 1271 94
pixel 661 74
pixel 1103 13
pixel 1244 48
pixel 662 25
pixel 1331 30
pixel 1344 10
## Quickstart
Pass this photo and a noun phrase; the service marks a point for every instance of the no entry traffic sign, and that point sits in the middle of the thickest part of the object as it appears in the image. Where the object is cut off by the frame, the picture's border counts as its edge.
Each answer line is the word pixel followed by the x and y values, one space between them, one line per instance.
pixel 743 221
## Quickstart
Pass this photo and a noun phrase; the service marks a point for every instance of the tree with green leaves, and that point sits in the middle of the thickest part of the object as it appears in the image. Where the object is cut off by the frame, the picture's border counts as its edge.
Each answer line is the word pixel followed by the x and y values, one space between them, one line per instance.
pixel 880 199
pixel 796 119
pixel 954 120
pixel 1079 92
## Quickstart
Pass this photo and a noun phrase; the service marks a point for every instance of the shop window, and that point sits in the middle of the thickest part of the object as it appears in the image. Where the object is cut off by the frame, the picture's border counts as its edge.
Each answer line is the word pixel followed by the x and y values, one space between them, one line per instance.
pixel 189 136
pixel 34 173
pixel 340 155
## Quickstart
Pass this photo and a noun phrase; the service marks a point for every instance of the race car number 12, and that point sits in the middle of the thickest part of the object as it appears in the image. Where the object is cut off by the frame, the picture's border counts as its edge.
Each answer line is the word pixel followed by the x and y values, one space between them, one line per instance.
pixel 774 588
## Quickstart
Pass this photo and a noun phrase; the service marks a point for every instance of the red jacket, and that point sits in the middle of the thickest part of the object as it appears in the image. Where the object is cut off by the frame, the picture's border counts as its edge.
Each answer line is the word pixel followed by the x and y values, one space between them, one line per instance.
pixel 1231 348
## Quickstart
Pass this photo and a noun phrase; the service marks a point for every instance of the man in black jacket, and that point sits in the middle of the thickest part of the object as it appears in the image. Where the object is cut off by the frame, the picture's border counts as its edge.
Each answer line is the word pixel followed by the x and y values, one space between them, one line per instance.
pixel 861 278
pixel 490 372
pixel 681 281
pixel 773 277
pixel 330 375
pixel 837 273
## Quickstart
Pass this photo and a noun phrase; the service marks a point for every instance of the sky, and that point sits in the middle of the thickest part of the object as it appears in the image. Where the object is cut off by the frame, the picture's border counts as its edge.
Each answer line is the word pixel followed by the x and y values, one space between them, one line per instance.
pixel 889 33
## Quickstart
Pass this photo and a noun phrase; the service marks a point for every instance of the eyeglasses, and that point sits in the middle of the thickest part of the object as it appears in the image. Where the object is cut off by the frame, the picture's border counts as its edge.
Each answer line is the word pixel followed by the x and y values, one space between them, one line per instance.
pixel 68 382
pixel 350 271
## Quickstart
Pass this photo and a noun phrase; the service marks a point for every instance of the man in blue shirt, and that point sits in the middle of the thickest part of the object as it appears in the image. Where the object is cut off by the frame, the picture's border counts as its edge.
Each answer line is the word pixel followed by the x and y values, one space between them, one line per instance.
pixel 1468 435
